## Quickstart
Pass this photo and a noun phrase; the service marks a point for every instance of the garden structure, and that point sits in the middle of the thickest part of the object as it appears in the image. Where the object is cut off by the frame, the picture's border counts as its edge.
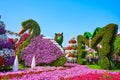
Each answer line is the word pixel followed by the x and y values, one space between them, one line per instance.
pixel 71 51
pixel 99 48
pixel 45 50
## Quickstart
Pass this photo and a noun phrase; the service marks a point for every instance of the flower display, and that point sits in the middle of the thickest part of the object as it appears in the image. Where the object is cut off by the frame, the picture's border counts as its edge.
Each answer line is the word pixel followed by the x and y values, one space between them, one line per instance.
pixel 7 56
pixel 6 47
pixel 37 70
pixel 9 45
pixel 22 39
pixel 101 76
pixel 10 40
pixel 75 72
pixel 44 50
pixel 2 60
pixel 24 36
pixel 3 37
pixel 2 44
pixel 9 61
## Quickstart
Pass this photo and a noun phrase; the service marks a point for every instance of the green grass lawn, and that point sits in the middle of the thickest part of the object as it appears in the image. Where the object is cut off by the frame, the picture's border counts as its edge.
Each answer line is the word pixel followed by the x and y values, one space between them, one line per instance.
pixel 98 67
pixel 94 66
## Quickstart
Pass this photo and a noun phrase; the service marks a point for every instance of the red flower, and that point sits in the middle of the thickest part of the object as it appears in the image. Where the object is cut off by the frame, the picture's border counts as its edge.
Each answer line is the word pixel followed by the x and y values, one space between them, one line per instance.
pixel 2 60
pixel 10 40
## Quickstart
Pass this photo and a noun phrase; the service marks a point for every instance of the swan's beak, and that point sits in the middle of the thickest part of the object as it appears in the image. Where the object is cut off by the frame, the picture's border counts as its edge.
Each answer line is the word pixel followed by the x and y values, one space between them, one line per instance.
pixel 22 30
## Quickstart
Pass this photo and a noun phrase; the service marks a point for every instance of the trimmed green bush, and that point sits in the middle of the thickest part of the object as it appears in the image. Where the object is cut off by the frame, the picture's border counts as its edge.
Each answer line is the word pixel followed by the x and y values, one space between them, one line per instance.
pixel 87 35
pixel 117 44
pixel 96 31
pixel 105 37
pixel 84 53
pixel 84 61
pixel 80 40
pixel 59 62
pixel 104 63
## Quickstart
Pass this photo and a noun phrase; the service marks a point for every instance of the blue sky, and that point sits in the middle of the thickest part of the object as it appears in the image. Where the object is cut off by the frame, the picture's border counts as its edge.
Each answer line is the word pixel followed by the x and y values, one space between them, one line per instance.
pixel 72 17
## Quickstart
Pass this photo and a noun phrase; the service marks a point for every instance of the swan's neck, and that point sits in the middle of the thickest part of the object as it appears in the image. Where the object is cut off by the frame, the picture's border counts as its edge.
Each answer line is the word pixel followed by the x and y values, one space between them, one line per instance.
pixel 35 31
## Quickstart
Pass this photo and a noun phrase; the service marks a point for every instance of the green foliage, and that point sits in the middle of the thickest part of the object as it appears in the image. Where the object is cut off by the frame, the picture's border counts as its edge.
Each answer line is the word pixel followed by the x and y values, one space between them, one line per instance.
pixel 117 44
pixel 79 60
pixel 84 61
pixel 104 63
pixel 94 66
pixel 117 67
pixel 59 62
pixel 96 31
pixel 87 35
pixel 105 37
pixel 84 53
pixel 80 40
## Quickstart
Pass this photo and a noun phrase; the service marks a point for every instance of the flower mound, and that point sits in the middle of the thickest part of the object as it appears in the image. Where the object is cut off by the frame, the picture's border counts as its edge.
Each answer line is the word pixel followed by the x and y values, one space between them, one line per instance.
pixel 44 49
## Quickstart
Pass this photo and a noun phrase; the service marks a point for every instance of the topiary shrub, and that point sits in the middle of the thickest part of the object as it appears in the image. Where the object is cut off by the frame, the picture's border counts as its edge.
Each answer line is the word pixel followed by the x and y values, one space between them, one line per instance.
pixel 87 35
pixel 80 41
pixel 117 44
pixel 104 63
pixel 105 37
pixel 84 61
pixel 59 62
pixel 98 29
pixel 84 53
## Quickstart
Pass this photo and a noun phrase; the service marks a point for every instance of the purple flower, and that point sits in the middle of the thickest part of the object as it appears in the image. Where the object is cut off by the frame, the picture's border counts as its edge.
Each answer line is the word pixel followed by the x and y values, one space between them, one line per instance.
pixel 9 61
pixel 44 49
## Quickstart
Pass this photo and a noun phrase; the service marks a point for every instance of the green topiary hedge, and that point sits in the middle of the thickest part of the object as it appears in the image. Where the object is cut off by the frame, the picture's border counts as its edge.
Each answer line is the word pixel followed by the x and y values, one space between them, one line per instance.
pixel 117 44
pixel 96 31
pixel 80 40
pixel 59 62
pixel 105 37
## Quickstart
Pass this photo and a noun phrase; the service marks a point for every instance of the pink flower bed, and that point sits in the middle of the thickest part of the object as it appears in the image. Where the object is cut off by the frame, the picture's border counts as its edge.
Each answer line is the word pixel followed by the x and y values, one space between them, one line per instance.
pixel 92 76
pixel 30 71
pixel 76 72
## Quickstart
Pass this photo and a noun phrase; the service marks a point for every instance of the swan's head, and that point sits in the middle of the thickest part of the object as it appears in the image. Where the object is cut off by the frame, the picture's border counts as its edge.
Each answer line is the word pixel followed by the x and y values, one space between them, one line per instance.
pixel 27 25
